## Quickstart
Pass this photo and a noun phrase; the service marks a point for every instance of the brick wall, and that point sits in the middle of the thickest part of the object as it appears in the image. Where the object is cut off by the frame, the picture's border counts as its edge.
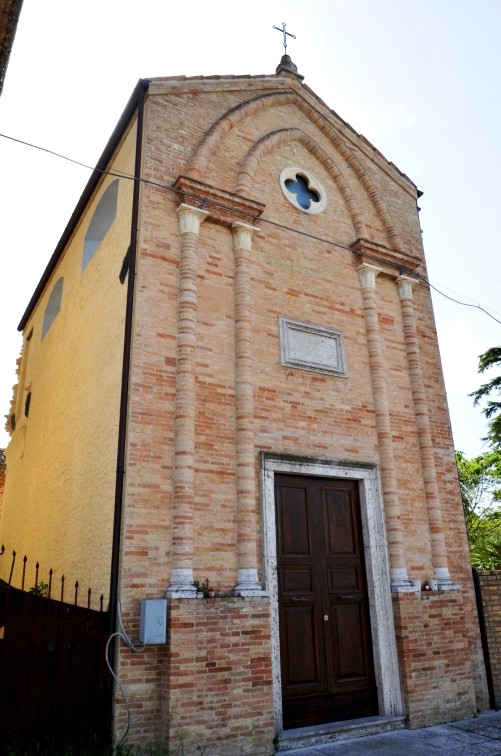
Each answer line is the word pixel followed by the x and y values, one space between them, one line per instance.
pixel 490 583
pixel 220 676
pixel 209 687
pixel 435 657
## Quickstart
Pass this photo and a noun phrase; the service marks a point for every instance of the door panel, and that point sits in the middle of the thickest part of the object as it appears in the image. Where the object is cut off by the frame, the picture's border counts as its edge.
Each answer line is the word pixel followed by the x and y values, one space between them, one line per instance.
pixel 296 580
pixel 343 578
pixel 326 651
pixel 295 525
pixel 349 642
pixel 339 525
pixel 301 649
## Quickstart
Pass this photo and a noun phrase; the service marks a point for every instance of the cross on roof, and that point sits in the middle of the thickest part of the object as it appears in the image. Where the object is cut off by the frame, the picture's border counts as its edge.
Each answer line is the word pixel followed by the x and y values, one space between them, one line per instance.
pixel 286 34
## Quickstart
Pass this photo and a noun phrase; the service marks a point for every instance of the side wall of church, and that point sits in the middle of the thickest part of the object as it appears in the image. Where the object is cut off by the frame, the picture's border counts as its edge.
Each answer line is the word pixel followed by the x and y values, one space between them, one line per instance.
pixel 61 460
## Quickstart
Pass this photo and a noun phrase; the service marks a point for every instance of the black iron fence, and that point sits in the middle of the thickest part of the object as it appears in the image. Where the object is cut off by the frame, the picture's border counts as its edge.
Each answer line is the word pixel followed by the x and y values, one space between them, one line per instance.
pixel 54 687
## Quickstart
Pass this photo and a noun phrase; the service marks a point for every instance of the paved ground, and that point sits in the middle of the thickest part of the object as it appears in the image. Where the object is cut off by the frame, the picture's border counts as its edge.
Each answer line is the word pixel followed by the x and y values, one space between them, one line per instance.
pixel 469 737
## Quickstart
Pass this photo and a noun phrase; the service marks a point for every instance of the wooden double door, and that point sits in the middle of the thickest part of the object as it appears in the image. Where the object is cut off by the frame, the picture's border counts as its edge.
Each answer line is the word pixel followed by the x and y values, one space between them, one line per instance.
pixel 325 637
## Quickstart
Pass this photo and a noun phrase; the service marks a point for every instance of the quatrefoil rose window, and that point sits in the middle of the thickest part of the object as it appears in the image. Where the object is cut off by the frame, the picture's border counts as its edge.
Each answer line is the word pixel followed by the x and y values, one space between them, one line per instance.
pixel 303 190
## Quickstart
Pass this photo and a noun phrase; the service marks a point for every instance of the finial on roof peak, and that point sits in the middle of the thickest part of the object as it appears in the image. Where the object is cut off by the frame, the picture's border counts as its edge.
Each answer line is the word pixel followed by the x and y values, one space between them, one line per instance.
pixel 287 65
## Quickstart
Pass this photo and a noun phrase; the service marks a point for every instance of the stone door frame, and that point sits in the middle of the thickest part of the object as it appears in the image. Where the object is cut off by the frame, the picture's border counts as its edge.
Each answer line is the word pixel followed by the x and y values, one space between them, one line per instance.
pixel 376 564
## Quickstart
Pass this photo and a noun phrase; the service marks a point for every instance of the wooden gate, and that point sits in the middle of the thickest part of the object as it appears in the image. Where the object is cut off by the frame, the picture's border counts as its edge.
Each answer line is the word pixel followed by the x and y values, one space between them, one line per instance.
pixel 54 689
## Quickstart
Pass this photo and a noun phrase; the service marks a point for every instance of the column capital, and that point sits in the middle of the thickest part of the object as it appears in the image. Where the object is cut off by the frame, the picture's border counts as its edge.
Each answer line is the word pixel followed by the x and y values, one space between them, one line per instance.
pixel 405 285
pixel 367 275
pixel 242 235
pixel 190 219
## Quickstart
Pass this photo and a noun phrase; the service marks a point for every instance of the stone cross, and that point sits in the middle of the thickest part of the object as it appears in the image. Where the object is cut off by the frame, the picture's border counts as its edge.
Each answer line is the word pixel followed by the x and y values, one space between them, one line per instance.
pixel 286 34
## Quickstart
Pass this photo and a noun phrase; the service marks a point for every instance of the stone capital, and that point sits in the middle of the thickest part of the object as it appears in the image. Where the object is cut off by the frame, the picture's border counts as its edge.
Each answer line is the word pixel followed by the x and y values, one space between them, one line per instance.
pixel 242 235
pixel 190 219
pixel 367 275
pixel 405 285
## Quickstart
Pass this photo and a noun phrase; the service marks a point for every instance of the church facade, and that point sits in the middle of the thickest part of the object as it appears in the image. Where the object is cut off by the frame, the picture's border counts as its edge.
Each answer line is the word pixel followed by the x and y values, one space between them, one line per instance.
pixel 260 431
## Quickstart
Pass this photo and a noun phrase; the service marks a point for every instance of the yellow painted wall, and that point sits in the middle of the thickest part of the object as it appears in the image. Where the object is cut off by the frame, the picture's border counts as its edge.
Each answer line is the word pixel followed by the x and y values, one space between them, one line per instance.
pixel 60 488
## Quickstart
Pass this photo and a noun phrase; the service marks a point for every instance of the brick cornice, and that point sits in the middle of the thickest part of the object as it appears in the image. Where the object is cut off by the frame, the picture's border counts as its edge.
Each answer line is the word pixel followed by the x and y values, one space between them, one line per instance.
pixel 223 207
pixel 391 260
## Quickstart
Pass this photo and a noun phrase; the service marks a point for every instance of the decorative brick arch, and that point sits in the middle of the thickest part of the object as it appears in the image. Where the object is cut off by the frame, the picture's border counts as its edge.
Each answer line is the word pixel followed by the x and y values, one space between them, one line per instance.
pixel 270 142
pixel 213 138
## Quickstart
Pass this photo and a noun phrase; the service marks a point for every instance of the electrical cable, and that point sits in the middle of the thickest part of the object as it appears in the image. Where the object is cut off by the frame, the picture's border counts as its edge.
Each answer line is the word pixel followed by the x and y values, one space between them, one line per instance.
pixel 138 649
pixel 65 157
pixel 115 677
pixel 128 641
pixel 465 304
pixel 463 296
pixel 262 219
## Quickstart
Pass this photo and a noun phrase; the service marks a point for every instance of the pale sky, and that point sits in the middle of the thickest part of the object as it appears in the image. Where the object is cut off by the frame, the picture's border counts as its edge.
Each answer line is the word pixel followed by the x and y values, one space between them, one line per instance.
pixel 421 81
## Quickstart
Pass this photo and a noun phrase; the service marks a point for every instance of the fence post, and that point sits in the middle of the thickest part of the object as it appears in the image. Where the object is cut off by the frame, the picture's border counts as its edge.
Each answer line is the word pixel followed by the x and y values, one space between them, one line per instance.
pixel 483 637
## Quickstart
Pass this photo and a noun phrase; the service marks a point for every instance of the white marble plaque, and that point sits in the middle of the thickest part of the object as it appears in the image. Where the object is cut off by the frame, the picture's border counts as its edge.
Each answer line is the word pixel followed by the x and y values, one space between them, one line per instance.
pixel 312 347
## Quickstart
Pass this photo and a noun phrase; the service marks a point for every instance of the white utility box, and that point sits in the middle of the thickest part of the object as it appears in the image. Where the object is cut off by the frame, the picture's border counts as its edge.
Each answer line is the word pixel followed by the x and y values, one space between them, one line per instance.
pixel 153 621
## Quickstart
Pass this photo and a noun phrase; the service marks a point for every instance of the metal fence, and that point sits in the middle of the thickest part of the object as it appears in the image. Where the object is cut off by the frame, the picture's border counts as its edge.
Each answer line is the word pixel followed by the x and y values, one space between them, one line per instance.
pixel 54 687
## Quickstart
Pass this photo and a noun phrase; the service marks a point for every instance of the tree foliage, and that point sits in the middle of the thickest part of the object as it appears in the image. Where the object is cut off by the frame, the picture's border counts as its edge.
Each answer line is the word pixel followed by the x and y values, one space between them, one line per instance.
pixel 492 410
pixel 480 483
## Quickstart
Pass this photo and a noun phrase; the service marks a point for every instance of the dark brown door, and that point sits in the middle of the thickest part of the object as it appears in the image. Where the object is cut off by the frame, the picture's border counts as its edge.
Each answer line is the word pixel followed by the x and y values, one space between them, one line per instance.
pixel 325 637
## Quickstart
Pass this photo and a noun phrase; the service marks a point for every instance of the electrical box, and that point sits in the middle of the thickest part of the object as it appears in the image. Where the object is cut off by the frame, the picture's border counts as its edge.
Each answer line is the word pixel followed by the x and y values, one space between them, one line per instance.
pixel 153 621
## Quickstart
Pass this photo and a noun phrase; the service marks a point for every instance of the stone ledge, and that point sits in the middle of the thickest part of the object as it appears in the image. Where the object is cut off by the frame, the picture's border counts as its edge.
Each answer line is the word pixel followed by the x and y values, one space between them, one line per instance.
pixel 303 737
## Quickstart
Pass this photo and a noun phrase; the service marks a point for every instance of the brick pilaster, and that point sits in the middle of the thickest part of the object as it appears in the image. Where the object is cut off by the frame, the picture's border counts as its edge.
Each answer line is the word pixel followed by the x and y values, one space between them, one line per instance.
pixel 247 577
pixel 438 551
pixel 398 568
pixel 181 584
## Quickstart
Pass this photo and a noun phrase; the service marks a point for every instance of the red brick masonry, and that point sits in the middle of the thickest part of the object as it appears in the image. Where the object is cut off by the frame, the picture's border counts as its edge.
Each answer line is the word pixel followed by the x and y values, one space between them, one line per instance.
pixel 435 657
pixel 220 675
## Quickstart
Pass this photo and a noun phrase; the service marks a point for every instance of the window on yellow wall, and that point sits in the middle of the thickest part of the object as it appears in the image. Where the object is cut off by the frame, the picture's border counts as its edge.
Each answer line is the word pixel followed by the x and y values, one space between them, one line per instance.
pixel 24 374
pixel 53 306
pixel 101 222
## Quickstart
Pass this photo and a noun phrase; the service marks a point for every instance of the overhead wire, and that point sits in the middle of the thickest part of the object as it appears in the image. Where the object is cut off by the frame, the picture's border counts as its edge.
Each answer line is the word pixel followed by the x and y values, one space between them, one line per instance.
pixel 213 203
pixel 465 304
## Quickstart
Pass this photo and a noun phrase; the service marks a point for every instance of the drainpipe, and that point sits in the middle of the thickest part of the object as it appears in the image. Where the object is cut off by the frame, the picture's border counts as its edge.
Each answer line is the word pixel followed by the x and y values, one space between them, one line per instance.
pixel 142 88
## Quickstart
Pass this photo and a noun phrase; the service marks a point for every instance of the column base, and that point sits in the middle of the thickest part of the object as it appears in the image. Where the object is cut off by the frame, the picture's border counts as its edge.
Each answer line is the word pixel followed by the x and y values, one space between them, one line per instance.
pixel 444 580
pixel 248 584
pixel 181 584
pixel 399 581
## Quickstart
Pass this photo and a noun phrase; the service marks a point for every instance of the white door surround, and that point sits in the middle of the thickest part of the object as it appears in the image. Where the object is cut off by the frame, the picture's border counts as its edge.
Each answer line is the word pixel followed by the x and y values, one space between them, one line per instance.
pixel 376 565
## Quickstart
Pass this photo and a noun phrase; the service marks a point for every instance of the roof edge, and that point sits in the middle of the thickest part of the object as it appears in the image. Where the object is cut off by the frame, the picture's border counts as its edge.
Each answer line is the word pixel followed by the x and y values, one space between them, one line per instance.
pixel 129 110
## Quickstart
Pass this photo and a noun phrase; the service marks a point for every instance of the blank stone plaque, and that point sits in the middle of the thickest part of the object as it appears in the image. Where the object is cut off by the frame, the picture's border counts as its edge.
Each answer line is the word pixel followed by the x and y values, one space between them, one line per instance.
pixel 312 347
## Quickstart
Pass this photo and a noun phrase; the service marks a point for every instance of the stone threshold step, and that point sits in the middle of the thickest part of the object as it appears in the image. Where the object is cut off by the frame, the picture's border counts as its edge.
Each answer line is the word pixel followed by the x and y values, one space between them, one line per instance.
pixel 304 737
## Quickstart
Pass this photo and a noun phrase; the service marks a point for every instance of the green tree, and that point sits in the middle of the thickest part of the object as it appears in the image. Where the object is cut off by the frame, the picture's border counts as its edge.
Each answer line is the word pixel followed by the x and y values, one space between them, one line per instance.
pixel 480 484
pixel 489 359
